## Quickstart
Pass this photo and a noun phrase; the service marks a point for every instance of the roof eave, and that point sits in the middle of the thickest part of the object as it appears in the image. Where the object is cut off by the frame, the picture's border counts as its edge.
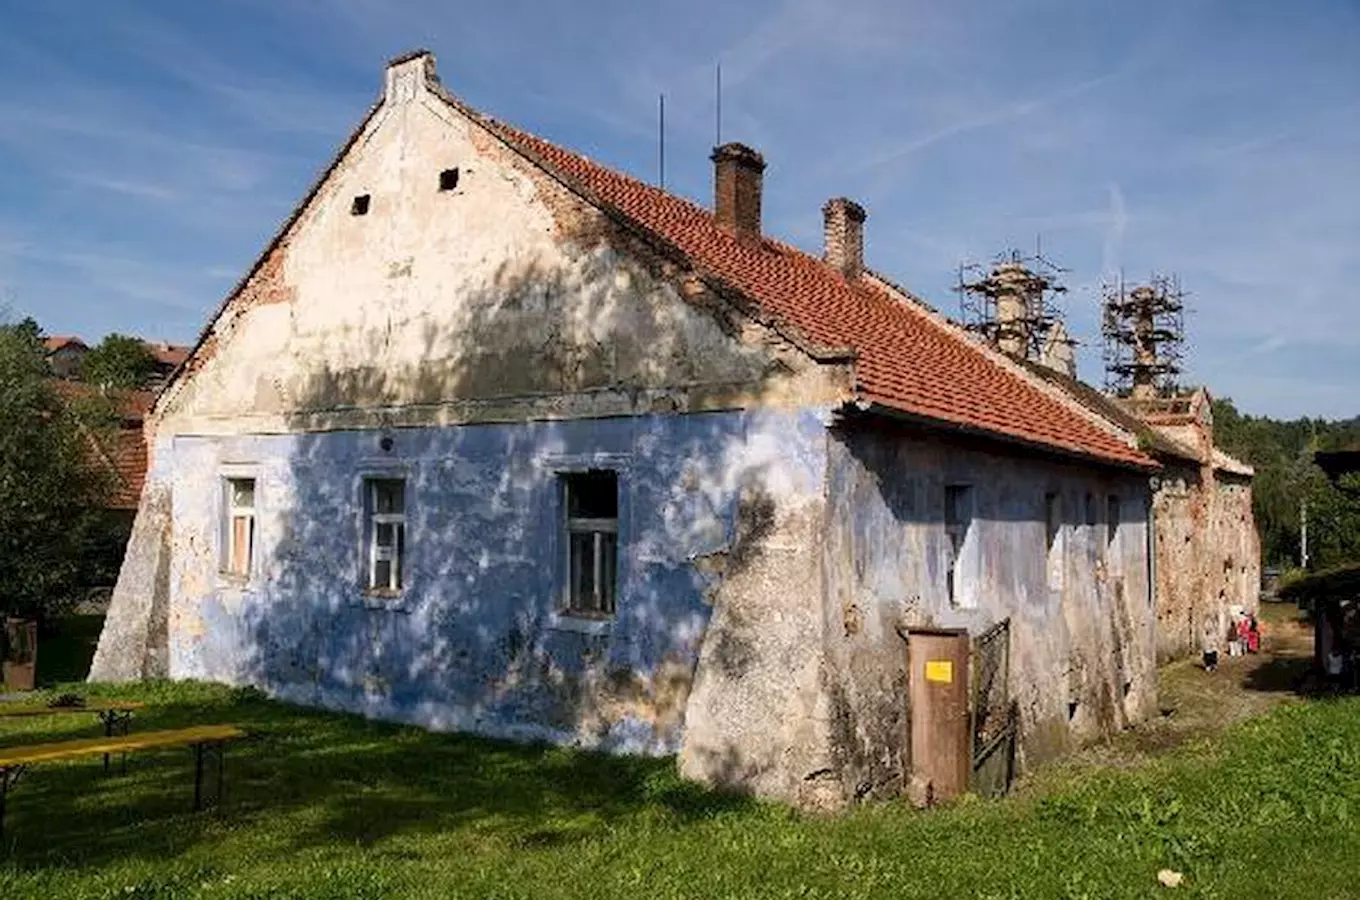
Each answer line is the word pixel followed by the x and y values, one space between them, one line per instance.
pixel 871 407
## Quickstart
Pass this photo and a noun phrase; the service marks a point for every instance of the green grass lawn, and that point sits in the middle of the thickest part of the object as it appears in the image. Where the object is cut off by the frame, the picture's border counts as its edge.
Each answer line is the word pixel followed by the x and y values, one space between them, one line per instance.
pixel 323 805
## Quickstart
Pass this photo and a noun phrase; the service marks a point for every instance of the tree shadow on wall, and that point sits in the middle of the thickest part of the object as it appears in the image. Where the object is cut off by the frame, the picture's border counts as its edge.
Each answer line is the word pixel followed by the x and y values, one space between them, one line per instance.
pixel 543 362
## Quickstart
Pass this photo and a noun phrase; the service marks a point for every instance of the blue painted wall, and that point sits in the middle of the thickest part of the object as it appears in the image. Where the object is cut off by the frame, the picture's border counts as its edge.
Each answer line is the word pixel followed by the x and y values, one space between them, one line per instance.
pixel 474 642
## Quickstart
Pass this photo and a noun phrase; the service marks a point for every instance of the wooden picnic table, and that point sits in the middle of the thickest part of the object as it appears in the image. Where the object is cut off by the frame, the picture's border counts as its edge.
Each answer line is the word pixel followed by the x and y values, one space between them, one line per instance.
pixel 114 715
pixel 212 739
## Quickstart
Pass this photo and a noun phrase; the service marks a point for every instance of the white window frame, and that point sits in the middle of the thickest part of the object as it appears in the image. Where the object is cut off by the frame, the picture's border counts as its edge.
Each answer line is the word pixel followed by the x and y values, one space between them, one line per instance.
pixel 399 560
pixel 594 526
pixel 230 512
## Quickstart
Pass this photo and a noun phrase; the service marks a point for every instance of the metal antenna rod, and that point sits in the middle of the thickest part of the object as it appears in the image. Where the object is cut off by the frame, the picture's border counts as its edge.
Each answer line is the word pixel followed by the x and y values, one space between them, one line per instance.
pixel 661 152
pixel 718 138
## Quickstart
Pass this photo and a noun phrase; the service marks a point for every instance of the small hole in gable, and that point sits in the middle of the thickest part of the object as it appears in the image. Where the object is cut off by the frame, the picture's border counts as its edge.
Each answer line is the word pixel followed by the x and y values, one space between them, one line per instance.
pixel 360 205
pixel 448 179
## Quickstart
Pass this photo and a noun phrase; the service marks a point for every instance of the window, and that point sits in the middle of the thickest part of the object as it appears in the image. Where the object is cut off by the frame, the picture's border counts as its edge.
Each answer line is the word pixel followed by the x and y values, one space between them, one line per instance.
pixel 958 520
pixel 360 205
pixel 385 504
pixel 1111 520
pixel 1053 537
pixel 238 545
pixel 592 526
pixel 448 179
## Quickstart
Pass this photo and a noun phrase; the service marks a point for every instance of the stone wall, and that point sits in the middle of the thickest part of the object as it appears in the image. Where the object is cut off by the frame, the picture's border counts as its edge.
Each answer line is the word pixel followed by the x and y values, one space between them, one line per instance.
pixel 1082 624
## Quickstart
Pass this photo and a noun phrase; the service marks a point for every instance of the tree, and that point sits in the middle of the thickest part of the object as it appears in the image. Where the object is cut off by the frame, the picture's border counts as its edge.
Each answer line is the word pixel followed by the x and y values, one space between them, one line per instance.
pixel 1282 454
pixel 118 362
pixel 51 493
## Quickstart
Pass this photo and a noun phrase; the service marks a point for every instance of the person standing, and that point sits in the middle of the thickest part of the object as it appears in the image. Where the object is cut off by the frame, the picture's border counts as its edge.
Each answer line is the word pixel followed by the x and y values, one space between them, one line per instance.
pixel 1210 639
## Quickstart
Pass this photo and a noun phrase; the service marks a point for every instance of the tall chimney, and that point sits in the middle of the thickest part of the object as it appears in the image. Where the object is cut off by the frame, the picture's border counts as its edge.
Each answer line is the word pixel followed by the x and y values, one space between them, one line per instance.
pixel 737 176
pixel 1013 286
pixel 1144 344
pixel 843 231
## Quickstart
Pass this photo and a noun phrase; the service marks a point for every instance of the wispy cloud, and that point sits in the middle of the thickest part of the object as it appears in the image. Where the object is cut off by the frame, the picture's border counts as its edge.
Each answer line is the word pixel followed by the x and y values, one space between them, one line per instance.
pixel 142 179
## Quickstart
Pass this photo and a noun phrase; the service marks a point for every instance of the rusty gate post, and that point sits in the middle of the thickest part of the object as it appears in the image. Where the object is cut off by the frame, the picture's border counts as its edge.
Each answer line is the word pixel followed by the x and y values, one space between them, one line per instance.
pixel 938 691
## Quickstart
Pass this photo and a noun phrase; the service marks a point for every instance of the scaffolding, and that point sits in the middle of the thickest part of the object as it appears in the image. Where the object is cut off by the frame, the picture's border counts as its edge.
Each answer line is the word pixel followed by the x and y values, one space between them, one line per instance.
pixel 1012 301
pixel 1143 327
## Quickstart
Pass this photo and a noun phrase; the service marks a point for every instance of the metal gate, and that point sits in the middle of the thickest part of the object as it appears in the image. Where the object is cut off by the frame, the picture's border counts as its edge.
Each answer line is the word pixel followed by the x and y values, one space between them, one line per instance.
pixel 993 714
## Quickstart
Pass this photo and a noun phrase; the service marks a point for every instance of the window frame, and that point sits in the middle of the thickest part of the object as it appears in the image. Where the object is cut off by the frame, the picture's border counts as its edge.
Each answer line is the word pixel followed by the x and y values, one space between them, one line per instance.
pixel 229 512
pixel 599 527
pixel 399 563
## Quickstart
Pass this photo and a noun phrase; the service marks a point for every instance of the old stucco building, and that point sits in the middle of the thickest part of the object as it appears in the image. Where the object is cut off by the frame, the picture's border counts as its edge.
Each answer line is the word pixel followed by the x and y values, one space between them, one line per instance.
pixel 1208 551
pixel 1207 559
pixel 494 438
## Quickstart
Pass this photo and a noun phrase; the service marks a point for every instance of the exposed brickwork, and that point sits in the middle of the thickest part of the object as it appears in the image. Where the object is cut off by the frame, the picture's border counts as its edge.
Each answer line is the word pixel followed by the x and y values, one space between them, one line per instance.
pixel 737 187
pixel 843 232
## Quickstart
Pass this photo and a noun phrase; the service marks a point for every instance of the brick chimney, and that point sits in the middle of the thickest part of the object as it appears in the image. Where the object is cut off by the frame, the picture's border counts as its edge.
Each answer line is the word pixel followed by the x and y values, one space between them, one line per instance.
pixel 843 229
pixel 737 176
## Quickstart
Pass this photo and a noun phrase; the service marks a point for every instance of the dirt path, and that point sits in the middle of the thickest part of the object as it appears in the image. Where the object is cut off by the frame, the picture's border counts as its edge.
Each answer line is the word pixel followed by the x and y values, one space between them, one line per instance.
pixel 1196 704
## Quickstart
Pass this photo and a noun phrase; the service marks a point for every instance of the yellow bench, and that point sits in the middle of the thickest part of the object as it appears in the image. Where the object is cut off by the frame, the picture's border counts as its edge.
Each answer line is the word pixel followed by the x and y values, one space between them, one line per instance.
pixel 114 715
pixel 211 739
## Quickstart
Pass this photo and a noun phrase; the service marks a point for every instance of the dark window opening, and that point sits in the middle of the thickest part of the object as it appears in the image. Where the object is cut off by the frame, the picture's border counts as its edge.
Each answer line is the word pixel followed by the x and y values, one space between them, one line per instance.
pixel 592 532
pixel 360 205
pixel 958 518
pixel 1111 520
pixel 1052 518
pixel 448 179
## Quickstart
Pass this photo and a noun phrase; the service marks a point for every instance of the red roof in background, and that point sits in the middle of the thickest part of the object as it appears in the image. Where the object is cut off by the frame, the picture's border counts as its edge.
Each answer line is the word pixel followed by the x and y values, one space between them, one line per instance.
pixel 124 451
pixel 907 360
pixel 131 405
pixel 168 354
pixel 55 342
pixel 128 456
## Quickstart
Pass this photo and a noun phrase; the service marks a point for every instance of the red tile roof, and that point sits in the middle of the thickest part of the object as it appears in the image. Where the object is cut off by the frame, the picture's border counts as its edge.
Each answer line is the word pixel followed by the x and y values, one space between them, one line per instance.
pixel 168 354
pixel 56 342
pixel 907 360
pixel 123 451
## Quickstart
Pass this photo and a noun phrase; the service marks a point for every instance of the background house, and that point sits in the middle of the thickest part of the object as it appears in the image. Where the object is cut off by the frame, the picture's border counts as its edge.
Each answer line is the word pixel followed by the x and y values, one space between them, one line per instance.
pixel 494 438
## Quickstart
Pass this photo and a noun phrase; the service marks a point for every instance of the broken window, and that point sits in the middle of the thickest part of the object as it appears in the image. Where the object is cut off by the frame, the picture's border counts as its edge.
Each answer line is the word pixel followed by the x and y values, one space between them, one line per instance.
pixel 1053 536
pixel 448 179
pixel 238 546
pixel 958 522
pixel 592 532
pixel 360 205
pixel 386 507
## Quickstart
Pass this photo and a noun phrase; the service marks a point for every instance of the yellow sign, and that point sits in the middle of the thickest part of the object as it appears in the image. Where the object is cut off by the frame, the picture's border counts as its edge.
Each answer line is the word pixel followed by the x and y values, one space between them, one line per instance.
pixel 940 670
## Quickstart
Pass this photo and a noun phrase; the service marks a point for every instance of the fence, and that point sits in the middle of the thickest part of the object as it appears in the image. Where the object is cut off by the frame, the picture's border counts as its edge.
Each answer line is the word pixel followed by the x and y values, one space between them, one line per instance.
pixel 994 716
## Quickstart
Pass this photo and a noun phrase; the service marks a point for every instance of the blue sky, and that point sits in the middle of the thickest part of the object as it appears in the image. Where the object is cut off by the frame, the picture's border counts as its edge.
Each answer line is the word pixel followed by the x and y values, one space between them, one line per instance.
pixel 148 150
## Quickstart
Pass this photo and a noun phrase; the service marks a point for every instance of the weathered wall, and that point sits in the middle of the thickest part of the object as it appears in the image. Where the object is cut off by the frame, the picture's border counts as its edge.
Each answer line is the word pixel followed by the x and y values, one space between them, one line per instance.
pixel 1183 520
pixel 1236 573
pixel 475 641
pixel 1208 549
pixel 500 300
pixel 135 638
pixel 1082 650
